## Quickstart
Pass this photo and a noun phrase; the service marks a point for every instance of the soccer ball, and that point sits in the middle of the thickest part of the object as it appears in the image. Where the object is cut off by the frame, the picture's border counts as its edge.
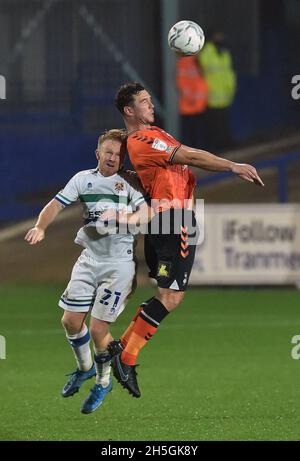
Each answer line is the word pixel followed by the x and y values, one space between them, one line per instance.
pixel 186 38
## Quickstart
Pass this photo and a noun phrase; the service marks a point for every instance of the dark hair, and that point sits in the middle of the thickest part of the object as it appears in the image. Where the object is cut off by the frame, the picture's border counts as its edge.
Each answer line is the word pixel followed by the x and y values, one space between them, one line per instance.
pixel 124 96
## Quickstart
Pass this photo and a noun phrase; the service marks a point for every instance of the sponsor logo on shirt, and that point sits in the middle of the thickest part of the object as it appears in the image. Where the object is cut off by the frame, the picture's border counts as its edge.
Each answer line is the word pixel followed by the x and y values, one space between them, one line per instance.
pixel 158 144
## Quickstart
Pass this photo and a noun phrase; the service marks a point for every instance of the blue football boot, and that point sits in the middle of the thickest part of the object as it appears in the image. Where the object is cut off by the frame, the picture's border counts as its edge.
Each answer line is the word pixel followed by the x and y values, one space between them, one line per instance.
pixel 96 397
pixel 77 378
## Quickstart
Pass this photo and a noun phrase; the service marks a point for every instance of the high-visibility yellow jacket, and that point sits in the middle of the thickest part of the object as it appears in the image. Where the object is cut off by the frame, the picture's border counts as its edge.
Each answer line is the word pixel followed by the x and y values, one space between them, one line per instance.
pixel 219 75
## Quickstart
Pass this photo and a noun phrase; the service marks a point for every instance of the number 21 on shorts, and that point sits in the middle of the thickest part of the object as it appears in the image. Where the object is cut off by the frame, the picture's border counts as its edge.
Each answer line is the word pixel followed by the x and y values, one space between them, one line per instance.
pixel 110 296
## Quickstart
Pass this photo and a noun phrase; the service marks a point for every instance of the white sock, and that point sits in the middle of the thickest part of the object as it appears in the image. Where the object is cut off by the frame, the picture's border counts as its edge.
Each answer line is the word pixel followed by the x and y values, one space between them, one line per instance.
pixel 80 344
pixel 102 367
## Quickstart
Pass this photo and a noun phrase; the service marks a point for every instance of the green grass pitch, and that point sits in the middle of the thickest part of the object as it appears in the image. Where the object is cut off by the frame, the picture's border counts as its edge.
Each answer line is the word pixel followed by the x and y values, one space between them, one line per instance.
pixel 219 368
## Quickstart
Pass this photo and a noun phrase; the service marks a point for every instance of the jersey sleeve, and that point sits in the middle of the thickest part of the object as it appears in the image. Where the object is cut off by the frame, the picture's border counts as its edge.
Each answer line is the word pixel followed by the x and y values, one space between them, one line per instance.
pixel 70 193
pixel 155 150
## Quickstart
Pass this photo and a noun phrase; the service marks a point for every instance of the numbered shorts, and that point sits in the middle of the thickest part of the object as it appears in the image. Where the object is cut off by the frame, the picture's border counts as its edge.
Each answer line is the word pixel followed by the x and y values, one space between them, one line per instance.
pixel 102 287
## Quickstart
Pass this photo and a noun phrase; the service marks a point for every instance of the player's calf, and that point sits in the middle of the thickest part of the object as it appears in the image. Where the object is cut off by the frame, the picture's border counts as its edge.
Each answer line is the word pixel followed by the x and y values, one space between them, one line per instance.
pixel 80 344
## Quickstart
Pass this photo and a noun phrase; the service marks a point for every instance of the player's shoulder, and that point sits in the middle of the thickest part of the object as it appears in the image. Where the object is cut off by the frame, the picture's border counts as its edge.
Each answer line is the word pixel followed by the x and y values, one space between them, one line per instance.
pixel 144 132
pixel 83 177
pixel 84 174
pixel 141 141
pixel 87 172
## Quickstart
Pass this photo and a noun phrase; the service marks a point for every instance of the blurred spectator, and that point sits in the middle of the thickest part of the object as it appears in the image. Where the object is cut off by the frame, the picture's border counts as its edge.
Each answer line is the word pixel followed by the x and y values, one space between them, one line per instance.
pixel 193 92
pixel 216 62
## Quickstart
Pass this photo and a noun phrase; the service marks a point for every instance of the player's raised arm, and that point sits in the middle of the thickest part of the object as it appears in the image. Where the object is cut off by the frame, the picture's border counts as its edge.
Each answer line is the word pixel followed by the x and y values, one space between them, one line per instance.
pixel 46 216
pixel 207 161
pixel 142 216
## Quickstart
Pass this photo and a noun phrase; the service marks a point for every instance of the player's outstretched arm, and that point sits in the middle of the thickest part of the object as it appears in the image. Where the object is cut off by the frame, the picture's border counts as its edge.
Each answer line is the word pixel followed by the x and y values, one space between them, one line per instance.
pixel 46 216
pixel 207 161
pixel 142 216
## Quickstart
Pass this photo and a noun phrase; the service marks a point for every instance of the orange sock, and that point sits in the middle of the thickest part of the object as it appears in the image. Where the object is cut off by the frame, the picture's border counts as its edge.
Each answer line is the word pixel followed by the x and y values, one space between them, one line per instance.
pixel 125 336
pixel 143 329
pixel 141 332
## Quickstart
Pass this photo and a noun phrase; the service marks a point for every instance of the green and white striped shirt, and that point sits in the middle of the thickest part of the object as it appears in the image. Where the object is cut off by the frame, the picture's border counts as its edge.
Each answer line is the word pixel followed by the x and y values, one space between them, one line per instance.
pixel 121 191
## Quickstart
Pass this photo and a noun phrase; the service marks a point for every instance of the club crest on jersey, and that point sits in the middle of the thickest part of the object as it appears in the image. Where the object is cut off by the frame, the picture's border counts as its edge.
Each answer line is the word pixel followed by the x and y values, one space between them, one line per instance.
pixel 119 186
pixel 89 185
pixel 158 144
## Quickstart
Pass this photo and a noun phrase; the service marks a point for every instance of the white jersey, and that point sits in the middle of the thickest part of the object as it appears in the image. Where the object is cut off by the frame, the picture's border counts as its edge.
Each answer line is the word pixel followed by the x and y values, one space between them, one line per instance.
pixel 121 191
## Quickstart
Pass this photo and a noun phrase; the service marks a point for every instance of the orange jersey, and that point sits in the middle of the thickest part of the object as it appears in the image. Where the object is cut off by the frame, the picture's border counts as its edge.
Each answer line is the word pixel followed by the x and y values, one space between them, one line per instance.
pixel 151 153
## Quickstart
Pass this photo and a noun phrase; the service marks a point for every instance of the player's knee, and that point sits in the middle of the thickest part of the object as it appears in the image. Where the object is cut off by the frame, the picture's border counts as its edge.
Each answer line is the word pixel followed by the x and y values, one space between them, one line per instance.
pixel 71 324
pixel 176 298
pixel 171 299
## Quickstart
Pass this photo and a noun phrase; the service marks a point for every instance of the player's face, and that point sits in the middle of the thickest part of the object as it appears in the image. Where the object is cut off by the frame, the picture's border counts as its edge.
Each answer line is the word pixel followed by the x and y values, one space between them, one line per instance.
pixel 143 108
pixel 108 155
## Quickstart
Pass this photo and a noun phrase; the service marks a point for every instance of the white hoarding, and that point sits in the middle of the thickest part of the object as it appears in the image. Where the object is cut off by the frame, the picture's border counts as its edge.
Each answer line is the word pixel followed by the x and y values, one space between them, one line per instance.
pixel 249 244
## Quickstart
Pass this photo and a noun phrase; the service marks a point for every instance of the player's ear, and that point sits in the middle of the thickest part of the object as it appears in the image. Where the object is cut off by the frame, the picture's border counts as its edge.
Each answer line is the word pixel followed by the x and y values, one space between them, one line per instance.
pixel 128 111
pixel 97 154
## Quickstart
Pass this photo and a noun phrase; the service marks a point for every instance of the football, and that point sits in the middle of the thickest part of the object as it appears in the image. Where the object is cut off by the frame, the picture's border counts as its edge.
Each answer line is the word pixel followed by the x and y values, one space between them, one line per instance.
pixel 186 38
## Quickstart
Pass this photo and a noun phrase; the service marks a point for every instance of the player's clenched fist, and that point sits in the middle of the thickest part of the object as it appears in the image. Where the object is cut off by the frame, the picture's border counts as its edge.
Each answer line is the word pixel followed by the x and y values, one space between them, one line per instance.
pixel 35 235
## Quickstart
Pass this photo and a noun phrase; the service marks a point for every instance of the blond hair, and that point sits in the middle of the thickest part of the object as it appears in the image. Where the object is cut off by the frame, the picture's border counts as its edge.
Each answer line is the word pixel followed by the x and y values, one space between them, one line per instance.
pixel 116 134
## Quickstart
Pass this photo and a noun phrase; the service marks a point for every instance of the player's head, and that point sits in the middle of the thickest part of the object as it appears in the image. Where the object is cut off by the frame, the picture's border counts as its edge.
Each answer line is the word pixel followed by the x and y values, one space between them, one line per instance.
pixel 135 104
pixel 110 151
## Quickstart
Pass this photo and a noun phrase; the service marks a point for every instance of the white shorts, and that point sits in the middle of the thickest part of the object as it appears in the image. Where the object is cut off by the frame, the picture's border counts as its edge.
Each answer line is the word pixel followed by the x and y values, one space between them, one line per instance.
pixel 102 287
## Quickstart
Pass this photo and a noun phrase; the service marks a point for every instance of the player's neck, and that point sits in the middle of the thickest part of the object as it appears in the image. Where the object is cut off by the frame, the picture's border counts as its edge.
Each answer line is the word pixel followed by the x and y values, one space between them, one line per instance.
pixel 105 173
pixel 132 126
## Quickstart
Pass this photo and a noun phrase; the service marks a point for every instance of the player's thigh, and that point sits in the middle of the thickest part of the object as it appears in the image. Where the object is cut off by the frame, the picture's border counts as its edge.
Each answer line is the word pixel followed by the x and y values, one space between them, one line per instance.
pixel 150 256
pixel 80 293
pixel 175 253
pixel 175 260
pixel 116 282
